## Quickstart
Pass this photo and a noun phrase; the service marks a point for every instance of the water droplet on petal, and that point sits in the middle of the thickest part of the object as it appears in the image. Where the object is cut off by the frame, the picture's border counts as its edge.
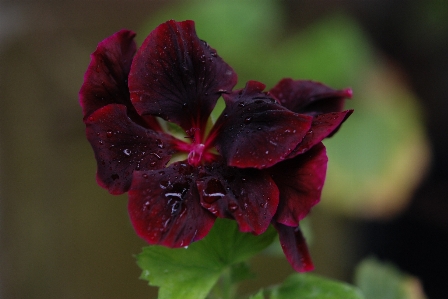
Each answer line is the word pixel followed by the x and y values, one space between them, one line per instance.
pixel 247 120
pixel 232 207
pixel 164 184
pixel 109 134
pixel 158 157
pixel 213 191
pixel 127 152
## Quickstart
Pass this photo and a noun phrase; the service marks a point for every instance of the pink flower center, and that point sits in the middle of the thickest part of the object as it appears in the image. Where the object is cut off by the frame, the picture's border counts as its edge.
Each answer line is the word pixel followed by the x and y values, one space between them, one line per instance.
pixel 195 154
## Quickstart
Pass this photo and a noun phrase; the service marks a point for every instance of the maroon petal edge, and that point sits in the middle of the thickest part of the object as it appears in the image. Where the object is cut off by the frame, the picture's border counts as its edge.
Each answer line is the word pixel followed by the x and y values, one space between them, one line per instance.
pixel 164 206
pixel 294 246
pixel 177 76
pixel 249 196
pixel 323 126
pixel 300 181
pixel 255 131
pixel 122 146
pixel 105 81
pixel 309 97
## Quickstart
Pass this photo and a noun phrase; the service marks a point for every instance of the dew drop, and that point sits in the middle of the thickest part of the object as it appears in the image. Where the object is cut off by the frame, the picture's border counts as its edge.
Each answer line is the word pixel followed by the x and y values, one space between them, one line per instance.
pixel 109 134
pixel 247 120
pixel 164 184
pixel 173 194
pixel 175 207
pixel 232 207
pixel 127 152
pixel 213 191
pixel 158 157
pixel 241 104
pixel 159 143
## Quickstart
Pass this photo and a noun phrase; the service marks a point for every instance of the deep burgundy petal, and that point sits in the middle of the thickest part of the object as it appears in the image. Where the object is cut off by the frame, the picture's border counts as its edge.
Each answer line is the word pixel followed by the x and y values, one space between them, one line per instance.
pixel 255 131
pixel 294 246
pixel 121 146
pixel 164 206
pixel 300 181
pixel 249 196
pixel 105 81
pixel 309 97
pixel 323 126
pixel 177 76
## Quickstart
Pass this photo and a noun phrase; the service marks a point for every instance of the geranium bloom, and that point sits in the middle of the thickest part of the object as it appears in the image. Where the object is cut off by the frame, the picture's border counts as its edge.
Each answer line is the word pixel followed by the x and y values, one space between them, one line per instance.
pixel 262 162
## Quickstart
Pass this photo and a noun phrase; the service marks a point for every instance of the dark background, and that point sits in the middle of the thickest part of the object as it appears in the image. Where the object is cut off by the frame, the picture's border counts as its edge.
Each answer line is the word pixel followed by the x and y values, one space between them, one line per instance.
pixel 61 236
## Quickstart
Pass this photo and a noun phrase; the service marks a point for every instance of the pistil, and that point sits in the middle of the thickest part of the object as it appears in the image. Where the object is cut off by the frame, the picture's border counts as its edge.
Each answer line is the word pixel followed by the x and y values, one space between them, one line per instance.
pixel 195 154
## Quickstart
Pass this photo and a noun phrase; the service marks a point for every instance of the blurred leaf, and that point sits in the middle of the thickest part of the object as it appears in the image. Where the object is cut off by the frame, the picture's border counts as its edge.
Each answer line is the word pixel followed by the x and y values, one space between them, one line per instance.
pixel 240 272
pixel 378 157
pixel 384 281
pixel 308 286
pixel 191 272
pixel 259 295
pixel 332 50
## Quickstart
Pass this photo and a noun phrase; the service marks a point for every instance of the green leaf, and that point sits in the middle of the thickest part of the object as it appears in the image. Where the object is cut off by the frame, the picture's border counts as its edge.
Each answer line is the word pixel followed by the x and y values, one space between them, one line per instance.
pixel 308 286
pixel 240 272
pixel 384 281
pixel 190 273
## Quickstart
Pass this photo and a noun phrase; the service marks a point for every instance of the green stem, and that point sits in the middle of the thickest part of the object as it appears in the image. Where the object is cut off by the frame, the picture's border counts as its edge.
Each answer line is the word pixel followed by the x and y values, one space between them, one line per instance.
pixel 227 286
pixel 224 289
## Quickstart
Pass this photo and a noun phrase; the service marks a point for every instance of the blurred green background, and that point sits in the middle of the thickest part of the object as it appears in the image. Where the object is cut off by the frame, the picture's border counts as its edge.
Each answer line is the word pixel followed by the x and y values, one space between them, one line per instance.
pixel 62 236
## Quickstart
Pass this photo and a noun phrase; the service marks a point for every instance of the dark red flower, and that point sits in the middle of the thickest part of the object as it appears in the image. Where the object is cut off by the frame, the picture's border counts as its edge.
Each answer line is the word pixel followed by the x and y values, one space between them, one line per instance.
pixel 262 162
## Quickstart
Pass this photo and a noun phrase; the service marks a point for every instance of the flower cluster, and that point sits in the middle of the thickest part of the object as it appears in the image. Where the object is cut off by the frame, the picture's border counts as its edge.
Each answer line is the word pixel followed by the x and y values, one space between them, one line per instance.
pixel 262 162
